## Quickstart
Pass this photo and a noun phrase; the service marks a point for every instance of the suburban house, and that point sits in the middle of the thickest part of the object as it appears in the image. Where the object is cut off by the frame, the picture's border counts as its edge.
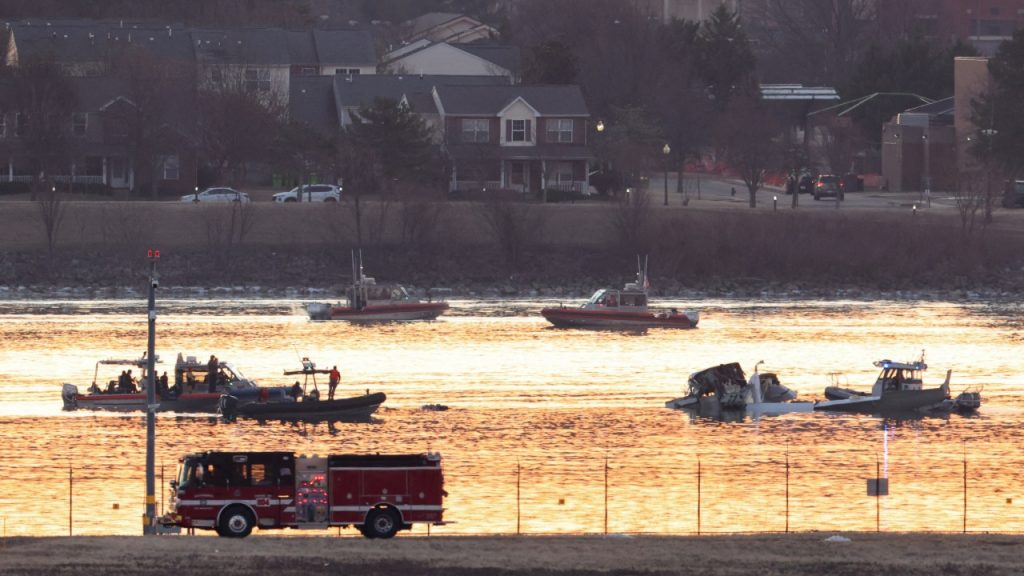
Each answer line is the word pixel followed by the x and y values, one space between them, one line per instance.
pixel 330 52
pixel 447 27
pixel 98 147
pixel 523 138
pixel 442 58
pixel 354 92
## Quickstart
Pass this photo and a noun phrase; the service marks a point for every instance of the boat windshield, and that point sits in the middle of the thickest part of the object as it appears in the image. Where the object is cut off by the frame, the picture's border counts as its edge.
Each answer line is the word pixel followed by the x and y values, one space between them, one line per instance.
pixel 596 298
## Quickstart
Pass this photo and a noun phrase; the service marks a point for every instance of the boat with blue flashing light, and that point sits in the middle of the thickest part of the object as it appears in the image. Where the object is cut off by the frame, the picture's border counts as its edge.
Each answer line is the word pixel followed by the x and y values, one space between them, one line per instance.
pixel 899 388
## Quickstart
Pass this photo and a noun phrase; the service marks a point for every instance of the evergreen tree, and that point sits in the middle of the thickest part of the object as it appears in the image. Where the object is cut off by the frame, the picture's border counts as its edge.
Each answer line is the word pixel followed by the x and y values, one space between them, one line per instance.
pixel 726 61
pixel 399 139
pixel 998 113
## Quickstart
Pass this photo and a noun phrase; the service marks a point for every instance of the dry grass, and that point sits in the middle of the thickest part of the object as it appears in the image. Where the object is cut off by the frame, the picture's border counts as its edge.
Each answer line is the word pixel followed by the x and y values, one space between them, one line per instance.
pixel 694 245
pixel 795 554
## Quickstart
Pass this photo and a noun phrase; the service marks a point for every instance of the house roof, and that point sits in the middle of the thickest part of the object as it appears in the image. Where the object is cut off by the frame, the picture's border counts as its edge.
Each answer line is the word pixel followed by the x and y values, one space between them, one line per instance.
pixel 505 56
pixel 942 107
pixel 88 42
pixel 547 100
pixel 354 47
pixel 360 90
pixel 431 20
pixel 301 49
pixel 265 46
pixel 311 101
pixel 429 25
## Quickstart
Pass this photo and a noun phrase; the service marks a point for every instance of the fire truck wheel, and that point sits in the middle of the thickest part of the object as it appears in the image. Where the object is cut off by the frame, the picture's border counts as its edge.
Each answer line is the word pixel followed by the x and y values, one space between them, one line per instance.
pixel 380 523
pixel 236 522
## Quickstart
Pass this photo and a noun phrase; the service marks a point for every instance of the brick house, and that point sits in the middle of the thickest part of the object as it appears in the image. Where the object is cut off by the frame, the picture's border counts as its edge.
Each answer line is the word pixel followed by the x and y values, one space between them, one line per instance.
pixel 523 138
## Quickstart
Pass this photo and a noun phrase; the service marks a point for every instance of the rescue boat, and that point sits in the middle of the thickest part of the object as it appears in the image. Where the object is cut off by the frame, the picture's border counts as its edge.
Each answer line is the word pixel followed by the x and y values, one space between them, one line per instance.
pixel 621 309
pixel 303 402
pixel 368 301
pixel 179 397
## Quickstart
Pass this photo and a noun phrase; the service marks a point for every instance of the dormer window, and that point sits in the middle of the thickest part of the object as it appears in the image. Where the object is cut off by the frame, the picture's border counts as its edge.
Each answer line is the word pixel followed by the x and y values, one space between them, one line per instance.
pixel 517 131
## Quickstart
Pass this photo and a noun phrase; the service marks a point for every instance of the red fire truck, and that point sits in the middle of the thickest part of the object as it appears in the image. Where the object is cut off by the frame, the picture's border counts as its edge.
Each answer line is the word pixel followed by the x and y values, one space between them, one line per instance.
pixel 232 492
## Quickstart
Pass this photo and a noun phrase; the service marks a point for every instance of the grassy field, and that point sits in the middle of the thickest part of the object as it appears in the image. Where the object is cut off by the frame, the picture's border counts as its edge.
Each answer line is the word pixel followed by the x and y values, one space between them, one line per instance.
pixel 794 554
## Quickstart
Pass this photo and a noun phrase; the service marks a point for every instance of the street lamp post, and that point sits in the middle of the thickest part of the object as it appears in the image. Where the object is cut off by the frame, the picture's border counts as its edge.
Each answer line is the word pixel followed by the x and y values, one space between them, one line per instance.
pixel 666 151
pixel 927 191
pixel 149 527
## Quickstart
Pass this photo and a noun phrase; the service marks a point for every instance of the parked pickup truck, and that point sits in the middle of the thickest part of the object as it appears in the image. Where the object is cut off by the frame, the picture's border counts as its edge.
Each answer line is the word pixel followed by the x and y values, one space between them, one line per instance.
pixel 310 193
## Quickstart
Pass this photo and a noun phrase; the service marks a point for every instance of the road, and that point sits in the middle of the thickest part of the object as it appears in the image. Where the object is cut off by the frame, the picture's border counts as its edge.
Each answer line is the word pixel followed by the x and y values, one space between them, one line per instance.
pixel 704 189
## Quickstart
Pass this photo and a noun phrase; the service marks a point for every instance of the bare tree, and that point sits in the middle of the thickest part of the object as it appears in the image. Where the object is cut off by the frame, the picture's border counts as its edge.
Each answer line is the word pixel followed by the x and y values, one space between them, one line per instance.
pixel 43 101
pixel 631 222
pixel 971 197
pixel 51 216
pixel 127 226
pixel 227 227
pixel 748 136
pixel 514 226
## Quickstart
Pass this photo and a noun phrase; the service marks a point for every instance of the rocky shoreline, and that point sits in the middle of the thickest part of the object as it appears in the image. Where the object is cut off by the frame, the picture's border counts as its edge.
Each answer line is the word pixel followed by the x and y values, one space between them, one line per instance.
pixel 267 274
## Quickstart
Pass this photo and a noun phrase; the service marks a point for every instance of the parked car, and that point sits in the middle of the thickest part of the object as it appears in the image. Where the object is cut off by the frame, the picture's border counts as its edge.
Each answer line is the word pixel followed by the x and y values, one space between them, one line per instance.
pixel 828 185
pixel 805 184
pixel 1013 196
pixel 217 195
pixel 310 193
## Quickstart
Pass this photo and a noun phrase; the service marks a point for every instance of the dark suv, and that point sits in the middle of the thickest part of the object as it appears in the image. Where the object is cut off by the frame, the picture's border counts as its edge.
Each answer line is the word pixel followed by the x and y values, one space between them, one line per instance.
pixel 828 185
pixel 1013 196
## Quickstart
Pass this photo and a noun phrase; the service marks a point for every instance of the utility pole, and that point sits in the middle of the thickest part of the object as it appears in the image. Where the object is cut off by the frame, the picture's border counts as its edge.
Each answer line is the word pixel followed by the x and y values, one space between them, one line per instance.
pixel 149 519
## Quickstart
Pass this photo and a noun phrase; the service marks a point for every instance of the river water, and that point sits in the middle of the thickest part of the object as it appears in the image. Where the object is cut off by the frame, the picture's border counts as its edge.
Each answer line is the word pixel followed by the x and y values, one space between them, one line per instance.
pixel 548 431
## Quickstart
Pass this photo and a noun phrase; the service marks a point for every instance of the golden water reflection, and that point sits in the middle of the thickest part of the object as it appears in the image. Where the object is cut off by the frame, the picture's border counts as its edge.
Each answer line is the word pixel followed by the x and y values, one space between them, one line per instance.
pixel 549 411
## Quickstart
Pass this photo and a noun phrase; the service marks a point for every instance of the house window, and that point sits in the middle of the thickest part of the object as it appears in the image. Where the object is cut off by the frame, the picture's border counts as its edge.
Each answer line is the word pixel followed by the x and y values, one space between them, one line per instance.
pixel 349 71
pixel 563 173
pixel 3 125
pixel 257 80
pixel 170 167
pixel 517 131
pixel 308 71
pixel 79 123
pixel 476 130
pixel 560 130
pixel 216 76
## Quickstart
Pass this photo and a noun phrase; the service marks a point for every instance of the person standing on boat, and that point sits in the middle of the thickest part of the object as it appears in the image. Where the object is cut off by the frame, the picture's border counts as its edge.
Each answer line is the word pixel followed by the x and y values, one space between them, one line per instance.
pixel 335 377
pixel 211 374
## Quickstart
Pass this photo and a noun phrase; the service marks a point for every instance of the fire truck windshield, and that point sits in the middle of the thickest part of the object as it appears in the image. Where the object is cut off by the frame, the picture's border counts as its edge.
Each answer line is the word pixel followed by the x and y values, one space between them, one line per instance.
pixel 191 473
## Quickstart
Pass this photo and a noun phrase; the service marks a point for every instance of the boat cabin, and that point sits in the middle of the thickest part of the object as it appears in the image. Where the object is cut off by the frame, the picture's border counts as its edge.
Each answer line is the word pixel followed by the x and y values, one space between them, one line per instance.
pixel 605 298
pixel 899 376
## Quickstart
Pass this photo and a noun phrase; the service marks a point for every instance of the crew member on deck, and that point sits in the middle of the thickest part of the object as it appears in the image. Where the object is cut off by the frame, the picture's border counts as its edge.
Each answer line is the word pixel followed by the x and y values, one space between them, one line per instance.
pixel 335 377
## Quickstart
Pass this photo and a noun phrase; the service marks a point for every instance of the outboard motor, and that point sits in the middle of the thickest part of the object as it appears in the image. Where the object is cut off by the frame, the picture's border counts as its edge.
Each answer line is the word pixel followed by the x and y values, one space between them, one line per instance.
pixel 319 311
pixel 228 407
pixel 69 394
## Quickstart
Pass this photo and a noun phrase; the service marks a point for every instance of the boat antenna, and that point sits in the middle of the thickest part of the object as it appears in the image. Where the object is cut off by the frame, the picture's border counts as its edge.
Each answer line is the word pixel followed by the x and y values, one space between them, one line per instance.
pixel 759 362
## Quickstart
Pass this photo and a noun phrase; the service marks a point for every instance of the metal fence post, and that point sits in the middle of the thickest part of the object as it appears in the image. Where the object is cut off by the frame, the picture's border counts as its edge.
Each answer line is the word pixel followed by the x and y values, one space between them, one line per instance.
pixel 965 487
pixel 878 495
pixel 698 495
pixel 605 495
pixel 518 498
pixel 787 491
pixel 71 497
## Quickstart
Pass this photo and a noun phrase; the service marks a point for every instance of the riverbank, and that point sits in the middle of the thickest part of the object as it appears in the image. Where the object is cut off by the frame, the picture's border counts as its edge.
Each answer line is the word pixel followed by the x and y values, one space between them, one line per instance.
pixel 508 250
pixel 791 554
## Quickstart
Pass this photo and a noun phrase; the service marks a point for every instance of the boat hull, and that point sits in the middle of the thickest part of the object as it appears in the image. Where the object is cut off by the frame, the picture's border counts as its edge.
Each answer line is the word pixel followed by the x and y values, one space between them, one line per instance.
pixel 356 407
pixel 892 402
pixel 583 318
pixel 379 313
pixel 197 402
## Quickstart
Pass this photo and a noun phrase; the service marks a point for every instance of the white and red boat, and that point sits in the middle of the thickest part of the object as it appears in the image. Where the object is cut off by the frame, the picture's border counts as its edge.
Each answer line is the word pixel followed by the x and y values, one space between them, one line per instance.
pixel 368 301
pixel 183 394
pixel 627 309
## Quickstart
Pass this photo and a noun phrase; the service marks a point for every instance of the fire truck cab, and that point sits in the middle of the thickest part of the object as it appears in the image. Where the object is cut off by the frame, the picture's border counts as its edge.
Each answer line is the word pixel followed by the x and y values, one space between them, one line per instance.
pixel 233 492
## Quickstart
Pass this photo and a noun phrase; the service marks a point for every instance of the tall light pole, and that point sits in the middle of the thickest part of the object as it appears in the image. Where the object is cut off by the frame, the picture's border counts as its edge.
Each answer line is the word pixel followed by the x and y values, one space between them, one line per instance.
pixel 666 151
pixel 149 519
